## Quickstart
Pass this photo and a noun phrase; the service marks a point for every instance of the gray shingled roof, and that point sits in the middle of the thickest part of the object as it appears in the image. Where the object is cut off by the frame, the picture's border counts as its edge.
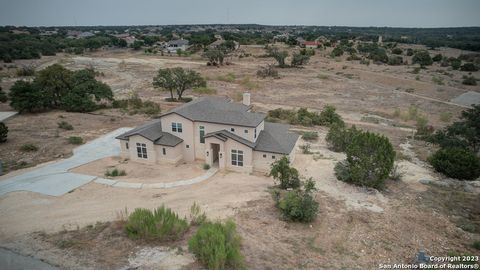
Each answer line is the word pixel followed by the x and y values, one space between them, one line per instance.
pixel 275 138
pixel 152 131
pixel 220 111
pixel 178 42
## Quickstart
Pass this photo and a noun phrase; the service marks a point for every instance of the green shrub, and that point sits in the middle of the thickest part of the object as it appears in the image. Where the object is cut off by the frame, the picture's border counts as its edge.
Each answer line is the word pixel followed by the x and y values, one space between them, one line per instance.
pixel 397 51
pixel 75 140
pixel 230 77
pixel 204 90
pixel 306 149
pixel 268 71
pixel 455 63
pixel 3 132
pixel 469 67
pixel 422 57
pixel 299 204
pixel 469 80
pixel 197 217
pixel 65 125
pixel 217 246
pixel 438 80
pixel 437 58
pixel 206 166
pixel 115 172
pixel 337 51
pixel 135 105
pixel 338 137
pixel 310 135
pixel 29 147
pixel 161 224
pixel 456 162
pixel 286 176
pixel 342 172
pixel 3 96
pixel 395 60
pixel 329 116
pixel 370 159
pixel 26 71
pixel 445 116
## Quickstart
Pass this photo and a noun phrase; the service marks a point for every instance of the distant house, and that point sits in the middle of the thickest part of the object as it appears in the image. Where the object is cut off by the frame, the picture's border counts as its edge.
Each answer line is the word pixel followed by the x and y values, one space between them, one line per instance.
pixel 178 44
pixel 215 130
pixel 127 37
pixel 310 44
pixel 218 42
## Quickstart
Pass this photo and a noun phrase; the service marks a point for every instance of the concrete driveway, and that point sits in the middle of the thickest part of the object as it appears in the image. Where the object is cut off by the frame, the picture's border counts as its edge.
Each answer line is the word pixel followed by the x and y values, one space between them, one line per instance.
pixel 6 115
pixel 54 179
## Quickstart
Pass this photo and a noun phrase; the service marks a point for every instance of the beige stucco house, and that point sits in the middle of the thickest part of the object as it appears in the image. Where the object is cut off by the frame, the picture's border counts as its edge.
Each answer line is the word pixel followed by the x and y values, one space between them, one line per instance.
pixel 219 132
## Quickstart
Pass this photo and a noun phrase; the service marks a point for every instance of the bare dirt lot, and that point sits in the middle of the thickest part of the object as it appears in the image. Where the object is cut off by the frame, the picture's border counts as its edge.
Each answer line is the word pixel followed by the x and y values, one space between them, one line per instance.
pixel 356 228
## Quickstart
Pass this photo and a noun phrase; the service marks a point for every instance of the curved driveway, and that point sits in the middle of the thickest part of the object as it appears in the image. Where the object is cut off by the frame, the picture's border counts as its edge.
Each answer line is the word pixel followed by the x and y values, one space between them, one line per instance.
pixel 54 179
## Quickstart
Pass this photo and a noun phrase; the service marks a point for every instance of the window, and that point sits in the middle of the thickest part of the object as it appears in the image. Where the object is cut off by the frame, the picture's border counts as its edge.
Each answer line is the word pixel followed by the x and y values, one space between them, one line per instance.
pixel 232 129
pixel 126 145
pixel 202 134
pixel 188 146
pixel 273 157
pixel 237 158
pixel 264 155
pixel 177 127
pixel 246 130
pixel 164 151
pixel 255 134
pixel 141 150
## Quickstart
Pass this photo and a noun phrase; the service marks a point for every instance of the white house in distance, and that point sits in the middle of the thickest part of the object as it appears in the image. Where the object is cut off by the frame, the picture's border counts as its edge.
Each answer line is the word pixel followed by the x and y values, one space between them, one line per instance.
pixel 179 44
pixel 213 129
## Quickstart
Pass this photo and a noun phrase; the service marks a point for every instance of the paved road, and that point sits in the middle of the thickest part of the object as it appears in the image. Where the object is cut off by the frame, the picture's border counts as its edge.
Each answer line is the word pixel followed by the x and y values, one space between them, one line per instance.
pixel 54 179
pixel 13 261
pixel 5 115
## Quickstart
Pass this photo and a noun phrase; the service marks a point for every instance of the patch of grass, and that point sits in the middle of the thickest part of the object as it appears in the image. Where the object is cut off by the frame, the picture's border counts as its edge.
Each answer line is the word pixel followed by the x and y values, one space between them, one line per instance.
pixel 438 80
pixel 115 172
pixel 248 84
pixel 204 90
pixel 310 135
pixel 445 116
pixel 197 217
pixel 410 90
pixel 230 77
pixel 29 147
pixel 161 224
pixel 217 245
pixel 323 76
pixel 65 125
pixel 75 140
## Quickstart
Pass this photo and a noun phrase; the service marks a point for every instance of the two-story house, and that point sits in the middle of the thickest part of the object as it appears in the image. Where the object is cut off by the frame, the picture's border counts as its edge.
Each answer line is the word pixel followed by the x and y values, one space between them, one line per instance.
pixel 213 129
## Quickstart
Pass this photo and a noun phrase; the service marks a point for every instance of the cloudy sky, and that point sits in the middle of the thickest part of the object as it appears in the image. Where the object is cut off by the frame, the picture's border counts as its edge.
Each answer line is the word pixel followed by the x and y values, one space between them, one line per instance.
pixel 394 13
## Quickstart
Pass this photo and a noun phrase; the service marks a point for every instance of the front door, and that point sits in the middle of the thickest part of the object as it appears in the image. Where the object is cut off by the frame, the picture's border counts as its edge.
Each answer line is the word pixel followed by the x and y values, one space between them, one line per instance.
pixel 215 149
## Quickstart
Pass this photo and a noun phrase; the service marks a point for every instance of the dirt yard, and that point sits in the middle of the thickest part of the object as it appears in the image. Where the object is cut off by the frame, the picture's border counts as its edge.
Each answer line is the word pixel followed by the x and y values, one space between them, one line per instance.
pixel 356 228
pixel 142 173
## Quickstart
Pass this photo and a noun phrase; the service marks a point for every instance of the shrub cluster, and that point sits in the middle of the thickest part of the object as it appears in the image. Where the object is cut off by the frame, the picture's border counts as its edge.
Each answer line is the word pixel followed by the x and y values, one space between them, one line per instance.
pixel 327 117
pixel 286 176
pixel 135 105
pixel 75 140
pixel 370 157
pixel 268 71
pixel 217 245
pixel 460 145
pixel 115 172
pixel 161 224
pixel 298 204
pixel 310 135
pixel 3 132
pixel 56 87
pixel 29 147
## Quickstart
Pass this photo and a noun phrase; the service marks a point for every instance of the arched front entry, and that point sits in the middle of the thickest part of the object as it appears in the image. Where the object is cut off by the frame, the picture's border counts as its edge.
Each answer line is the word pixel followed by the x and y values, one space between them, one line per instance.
pixel 215 152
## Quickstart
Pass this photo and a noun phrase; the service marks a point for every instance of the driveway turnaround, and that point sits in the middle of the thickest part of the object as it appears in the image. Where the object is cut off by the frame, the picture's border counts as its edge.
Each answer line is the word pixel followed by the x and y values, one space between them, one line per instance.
pixel 54 179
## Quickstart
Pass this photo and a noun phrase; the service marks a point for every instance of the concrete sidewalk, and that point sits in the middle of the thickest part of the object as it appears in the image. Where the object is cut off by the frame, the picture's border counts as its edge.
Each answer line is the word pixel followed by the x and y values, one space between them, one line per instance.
pixel 54 179
pixel 6 115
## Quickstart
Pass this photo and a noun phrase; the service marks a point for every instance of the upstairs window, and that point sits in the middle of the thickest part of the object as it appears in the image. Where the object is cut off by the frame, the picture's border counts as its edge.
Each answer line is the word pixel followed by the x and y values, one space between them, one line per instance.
pixel 202 134
pixel 126 145
pixel 246 131
pixel 177 127
pixel 164 151
pixel 237 158
pixel 255 134
pixel 142 150
pixel 232 129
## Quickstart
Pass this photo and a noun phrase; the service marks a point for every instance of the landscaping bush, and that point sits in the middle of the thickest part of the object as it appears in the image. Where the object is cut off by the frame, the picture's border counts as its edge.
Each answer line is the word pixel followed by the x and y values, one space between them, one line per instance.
pixel 310 135
pixel 206 166
pixel 217 245
pixel 29 147
pixel 469 80
pixel 284 175
pixel 299 204
pixel 161 224
pixel 75 140
pixel 370 159
pixel 115 172
pixel 329 116
pixel 3 132
pixel 456 162
pixel 338 137
pixel 65 125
